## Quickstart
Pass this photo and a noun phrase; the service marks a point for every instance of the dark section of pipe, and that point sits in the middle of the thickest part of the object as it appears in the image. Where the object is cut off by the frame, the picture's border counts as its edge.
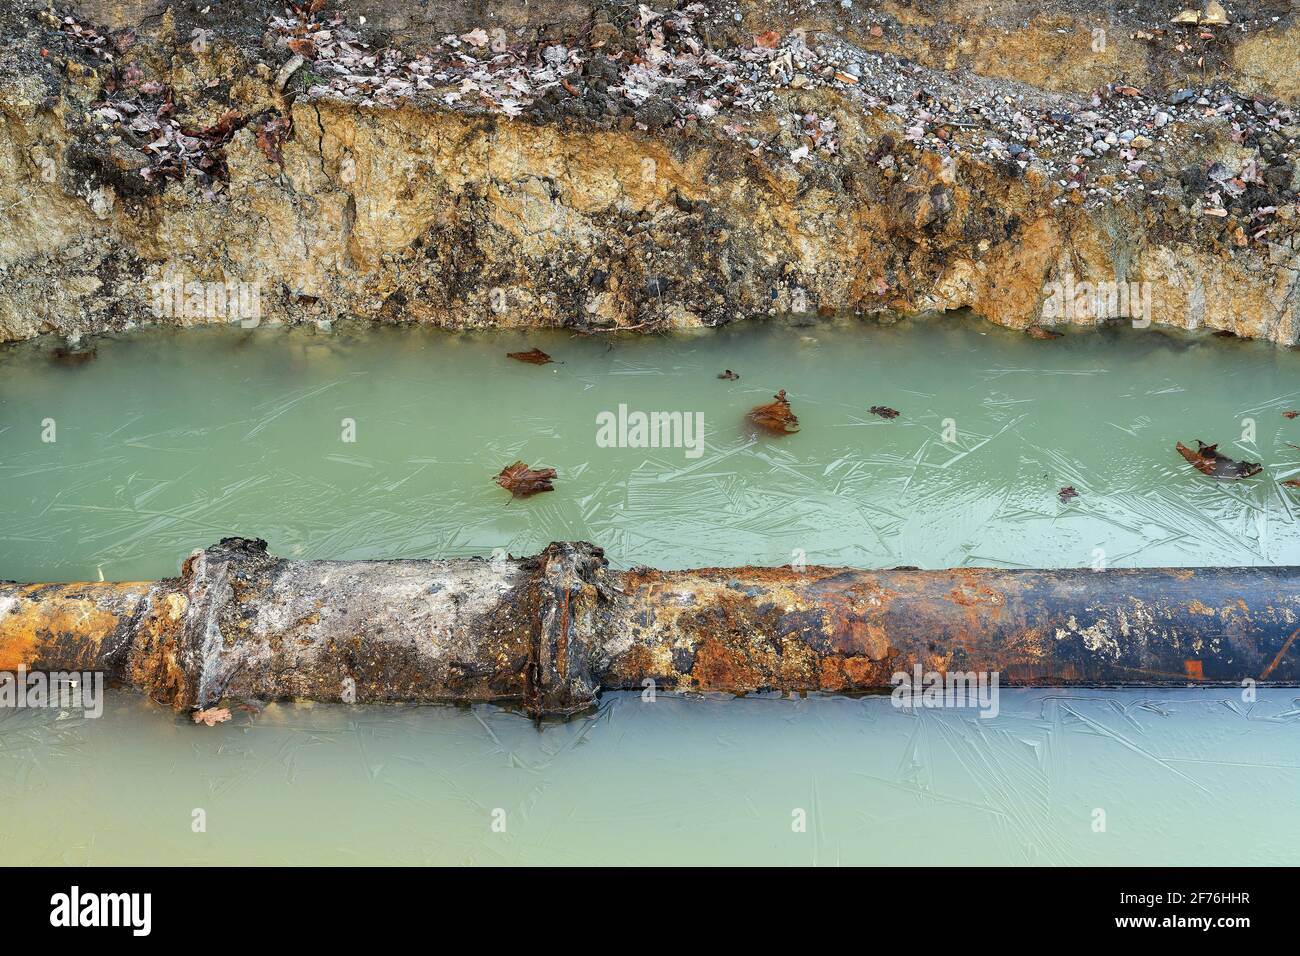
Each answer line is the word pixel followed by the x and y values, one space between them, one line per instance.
pixel 549 632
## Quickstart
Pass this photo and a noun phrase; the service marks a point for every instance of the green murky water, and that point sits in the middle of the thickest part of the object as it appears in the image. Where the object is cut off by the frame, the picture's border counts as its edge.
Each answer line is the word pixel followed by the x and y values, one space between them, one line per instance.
pixel 1181 777
pixel 168 441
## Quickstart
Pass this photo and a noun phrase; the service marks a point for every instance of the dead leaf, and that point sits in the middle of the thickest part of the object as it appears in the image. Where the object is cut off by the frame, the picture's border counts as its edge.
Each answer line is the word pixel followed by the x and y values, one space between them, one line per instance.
pixel 532 357
pixel 776 415
pixel 1290 414
pixel 729 375
pixel 304 47
pixel 1292 482
pixel 1066 493
pixel 884 411
pixel 1207 460
pixel 271 137
pixel 212 716
pixel 1038 332
pixel 1128 91
pixel 522 481
pixel 768 40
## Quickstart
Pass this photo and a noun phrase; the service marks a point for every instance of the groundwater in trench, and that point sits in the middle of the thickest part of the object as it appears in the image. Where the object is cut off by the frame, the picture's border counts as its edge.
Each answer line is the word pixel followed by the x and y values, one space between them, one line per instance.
pixel 169 440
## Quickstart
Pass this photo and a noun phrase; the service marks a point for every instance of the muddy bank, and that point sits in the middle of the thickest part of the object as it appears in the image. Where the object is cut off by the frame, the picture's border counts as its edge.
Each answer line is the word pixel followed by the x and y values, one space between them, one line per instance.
pixel 590 166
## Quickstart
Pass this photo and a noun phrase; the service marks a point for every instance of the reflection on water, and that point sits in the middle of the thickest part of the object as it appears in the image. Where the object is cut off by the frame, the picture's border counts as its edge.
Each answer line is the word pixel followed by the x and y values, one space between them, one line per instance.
pixel 1182 777
pixel 169 440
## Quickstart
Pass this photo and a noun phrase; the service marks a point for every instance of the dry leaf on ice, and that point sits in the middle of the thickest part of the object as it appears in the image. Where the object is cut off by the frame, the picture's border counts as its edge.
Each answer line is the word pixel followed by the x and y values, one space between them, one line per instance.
pixel 212 716
pixel 532 357
pixel 522 481
pixel 1207 460
pixel 776 415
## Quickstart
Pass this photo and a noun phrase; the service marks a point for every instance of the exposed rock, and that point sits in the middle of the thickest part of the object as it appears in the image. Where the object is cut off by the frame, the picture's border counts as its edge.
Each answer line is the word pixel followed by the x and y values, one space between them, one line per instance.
pixel 509 173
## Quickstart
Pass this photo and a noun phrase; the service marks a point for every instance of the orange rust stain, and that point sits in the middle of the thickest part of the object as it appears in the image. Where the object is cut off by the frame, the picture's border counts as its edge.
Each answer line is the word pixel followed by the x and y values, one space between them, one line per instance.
pixel 562 642
pixel 797 666
pixel 1280 654
pixel 154 666
pixel 1195 670
pixel 832 676
pixel 865 672
pixel 1027 643
pixel 637 662
pixel 968 596
pixel 719 667
pixel 853 672
pixel 851 633
pixel 47 613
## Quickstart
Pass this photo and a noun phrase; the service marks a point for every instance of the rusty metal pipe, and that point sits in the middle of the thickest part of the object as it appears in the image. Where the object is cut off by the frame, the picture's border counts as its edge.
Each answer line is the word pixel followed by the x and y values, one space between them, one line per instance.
pixel 549 632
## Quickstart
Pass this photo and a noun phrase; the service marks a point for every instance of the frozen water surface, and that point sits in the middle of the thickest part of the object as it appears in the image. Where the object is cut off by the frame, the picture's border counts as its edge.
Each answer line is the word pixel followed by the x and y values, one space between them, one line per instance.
pixel 1182 777
pixel 170 440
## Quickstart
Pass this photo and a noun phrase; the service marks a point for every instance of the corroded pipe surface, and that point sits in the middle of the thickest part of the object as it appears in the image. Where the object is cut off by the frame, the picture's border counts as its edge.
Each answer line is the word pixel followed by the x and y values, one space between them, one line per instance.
pixel 550 632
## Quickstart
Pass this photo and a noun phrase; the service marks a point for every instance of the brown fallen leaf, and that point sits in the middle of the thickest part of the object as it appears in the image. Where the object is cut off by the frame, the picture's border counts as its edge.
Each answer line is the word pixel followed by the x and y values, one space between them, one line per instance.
pixel 1292 482
pixel 212 716
pixel 729 375
pixel 1290 414
pixel 1038 332
pixel 303 47
pixel 532 357
pixel 1207 460
pixel 1066 493
pixel 768 40
pixel 271 137
pixel 776 415
pixel 1128 91
pixel 884 411
pixel 522 481
pixel 218 132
